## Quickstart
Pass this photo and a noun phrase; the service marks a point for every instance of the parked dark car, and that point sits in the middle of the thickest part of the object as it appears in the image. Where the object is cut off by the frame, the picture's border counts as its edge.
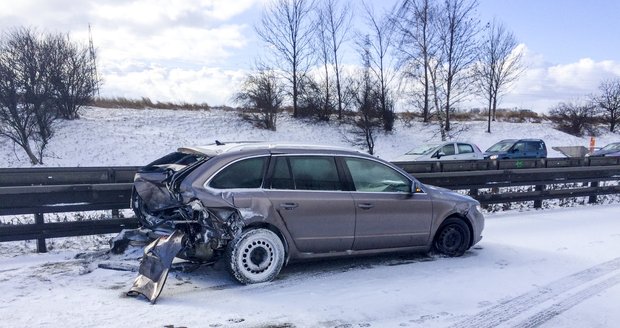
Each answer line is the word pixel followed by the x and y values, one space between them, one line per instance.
pixel 612 149
pixel 517 148
pixel 260 206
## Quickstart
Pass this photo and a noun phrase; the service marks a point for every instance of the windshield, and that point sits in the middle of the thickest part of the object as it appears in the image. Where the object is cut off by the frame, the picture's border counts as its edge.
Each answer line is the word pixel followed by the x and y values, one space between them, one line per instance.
pixel 422 150
pixel 612 146
pixel 500 146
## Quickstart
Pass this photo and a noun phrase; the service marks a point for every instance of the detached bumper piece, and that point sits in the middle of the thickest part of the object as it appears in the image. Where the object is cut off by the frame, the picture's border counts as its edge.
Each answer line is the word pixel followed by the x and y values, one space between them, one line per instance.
pixel 155 265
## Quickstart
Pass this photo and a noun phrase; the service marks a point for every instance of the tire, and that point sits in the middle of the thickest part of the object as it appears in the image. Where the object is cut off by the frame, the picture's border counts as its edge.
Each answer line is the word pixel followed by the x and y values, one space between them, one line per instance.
pixel 255 256
pixel 452 238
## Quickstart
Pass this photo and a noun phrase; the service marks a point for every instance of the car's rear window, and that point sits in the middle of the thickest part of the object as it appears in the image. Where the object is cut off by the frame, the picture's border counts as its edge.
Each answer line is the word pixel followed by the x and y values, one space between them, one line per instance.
pixel 247 173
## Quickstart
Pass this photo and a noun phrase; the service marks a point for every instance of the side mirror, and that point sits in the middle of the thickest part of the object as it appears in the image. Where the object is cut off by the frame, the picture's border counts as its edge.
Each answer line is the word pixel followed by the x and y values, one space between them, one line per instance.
pixel 440 154
pixel 415 188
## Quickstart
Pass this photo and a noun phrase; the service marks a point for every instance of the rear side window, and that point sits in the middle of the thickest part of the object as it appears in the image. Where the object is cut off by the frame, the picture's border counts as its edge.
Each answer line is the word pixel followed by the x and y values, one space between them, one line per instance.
pixel 534 146
pixel 247 173
pixel 465 148
pixel 306 173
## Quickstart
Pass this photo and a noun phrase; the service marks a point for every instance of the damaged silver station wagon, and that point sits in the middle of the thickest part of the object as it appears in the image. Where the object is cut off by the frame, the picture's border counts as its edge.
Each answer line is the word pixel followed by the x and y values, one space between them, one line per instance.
pixel 259 206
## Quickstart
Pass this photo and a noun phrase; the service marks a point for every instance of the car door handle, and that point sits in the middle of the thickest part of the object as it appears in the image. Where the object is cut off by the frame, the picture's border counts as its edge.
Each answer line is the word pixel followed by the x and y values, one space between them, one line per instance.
pixel 289 206
pixel 365 206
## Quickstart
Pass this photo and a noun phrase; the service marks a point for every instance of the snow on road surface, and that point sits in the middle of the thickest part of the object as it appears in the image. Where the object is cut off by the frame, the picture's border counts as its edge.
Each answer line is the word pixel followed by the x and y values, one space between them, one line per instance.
pixel 550 268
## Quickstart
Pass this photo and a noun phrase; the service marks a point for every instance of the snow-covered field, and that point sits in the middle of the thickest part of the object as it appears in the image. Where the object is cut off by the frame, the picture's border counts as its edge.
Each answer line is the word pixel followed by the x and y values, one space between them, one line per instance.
pixel 105 137
pixel 557 268
pixel 554 267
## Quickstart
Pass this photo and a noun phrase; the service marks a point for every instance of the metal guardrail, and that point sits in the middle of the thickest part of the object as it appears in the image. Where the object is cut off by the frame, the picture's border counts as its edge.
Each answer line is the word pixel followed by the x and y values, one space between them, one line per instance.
pixel 52 190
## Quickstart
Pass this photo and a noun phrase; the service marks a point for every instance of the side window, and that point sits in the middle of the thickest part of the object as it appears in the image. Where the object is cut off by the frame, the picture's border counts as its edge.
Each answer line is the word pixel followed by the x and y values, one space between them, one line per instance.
pixel 314 173
pixel 448 149
pixel 533 146
pixel 371 176
pixel 519 147
pixel 247 173
pixel 465 149
pixel 281 178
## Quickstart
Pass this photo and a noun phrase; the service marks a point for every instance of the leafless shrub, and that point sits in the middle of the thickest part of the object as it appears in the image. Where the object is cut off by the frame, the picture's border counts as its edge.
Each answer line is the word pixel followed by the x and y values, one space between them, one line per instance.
pixel 261 96
pixel 144 103
pixel 575 118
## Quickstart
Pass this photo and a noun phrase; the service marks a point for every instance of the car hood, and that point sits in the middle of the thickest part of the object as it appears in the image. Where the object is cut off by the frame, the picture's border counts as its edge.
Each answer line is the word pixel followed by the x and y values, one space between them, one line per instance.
pixel 439 193
pixel 609 152
pixel 489 153
pixel 409 158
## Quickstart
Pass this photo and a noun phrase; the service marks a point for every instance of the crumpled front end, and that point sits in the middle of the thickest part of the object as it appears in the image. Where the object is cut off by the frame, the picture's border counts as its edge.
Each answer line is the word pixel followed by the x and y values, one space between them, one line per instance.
pixel 193 232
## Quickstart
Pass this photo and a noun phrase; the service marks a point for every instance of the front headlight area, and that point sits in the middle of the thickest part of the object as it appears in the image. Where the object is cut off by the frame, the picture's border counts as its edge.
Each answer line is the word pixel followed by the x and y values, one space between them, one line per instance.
pixel 493 157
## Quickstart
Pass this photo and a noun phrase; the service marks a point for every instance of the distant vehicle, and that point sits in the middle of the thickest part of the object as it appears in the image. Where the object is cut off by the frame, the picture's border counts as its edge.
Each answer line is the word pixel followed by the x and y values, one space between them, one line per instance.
pixel 611 150
pixel 451 150
pixel 517 148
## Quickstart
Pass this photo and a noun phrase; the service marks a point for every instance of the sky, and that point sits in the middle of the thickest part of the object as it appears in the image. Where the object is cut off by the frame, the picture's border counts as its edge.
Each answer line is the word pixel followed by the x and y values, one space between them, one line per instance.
pixel 199 51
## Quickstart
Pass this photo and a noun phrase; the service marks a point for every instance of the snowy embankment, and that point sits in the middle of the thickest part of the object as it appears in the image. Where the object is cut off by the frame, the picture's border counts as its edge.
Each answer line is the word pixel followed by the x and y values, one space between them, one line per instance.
pixel 555 267
pixel 558 268
pixel 105 137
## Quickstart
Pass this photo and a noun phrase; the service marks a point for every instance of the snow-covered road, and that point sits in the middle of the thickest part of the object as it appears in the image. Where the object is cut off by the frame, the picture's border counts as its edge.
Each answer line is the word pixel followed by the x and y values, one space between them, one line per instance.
pixel 555 268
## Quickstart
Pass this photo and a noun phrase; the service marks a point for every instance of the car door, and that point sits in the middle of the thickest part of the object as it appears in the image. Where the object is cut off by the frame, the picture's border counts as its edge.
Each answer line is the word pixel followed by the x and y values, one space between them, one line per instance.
pixel 449 152
pixel 518 150
pixel 388 215
pixel 307 193
pixel 465 152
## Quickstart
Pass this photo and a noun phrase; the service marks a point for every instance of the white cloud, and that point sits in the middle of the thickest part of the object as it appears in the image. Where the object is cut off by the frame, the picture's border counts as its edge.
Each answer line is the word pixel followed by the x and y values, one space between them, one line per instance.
pixel 211 85
pixel 543 85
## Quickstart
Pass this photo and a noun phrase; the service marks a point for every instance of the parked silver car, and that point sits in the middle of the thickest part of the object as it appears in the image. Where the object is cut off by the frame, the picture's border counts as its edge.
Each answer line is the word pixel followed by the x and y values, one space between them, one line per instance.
pixel 449 150
pixel 261 205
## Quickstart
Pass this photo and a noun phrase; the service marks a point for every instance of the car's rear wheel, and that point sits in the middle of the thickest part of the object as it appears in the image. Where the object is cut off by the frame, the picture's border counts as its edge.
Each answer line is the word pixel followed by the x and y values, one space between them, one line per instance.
pixel 452 238
pixel 255 256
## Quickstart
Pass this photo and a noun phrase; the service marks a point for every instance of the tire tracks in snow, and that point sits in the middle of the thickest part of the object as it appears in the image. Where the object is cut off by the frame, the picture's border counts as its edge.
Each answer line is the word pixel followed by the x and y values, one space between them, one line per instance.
pixel 506 310
pixel 559 307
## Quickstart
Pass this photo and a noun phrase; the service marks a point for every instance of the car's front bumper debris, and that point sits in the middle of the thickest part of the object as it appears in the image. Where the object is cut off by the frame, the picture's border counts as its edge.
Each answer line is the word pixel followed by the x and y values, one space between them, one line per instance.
pixel 155 265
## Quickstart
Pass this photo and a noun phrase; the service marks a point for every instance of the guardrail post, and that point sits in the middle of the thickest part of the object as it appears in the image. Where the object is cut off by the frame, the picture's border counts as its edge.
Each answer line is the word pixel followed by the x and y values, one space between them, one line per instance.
pixel 538 202
pixel 593 199
pixel 115 214
pixel 39 220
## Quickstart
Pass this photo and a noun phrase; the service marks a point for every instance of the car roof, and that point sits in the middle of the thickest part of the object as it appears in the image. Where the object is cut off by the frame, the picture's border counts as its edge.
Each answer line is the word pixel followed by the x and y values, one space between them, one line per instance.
pixel 515 140
pixel 273 147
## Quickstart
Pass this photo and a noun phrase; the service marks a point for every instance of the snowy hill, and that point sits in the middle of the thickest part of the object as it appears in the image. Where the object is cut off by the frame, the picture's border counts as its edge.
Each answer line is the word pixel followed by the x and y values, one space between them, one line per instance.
pixel 105 137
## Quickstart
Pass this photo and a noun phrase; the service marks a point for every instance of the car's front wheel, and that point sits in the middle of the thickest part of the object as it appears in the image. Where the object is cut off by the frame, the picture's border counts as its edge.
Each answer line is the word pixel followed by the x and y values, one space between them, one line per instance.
pixel 452 238
pixel 255 256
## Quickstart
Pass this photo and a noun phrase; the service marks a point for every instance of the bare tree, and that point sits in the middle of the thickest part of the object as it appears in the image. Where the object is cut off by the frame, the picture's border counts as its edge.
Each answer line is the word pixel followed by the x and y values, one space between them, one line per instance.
pixel 417 48
pixel 457 28
pixel 337 24
pixel 609 101
pixel 499 64
pixel 26 110
pixel 72 74
pixel 575 117
pixel 262 95
pixel 287 29
pixel 326 60
pixel 378 45
pixel 364 93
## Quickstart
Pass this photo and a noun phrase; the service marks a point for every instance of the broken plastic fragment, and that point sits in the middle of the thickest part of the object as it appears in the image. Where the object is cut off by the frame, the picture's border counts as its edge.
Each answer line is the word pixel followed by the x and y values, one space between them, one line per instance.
pixel 155 265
